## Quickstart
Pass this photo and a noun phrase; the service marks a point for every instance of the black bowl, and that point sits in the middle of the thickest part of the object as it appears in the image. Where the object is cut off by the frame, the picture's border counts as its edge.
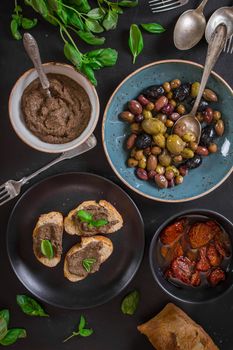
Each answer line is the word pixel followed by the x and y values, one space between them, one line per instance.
pixel 191 294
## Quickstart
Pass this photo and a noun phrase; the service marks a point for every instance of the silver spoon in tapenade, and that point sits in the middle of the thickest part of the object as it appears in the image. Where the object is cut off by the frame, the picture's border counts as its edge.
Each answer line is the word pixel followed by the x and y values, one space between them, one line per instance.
pixel 32 50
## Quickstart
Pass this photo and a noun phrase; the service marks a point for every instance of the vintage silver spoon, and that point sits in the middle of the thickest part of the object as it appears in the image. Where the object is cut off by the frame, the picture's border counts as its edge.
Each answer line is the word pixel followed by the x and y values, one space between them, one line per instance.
pixel 190 28
pixel 189 123
pixel 32 50
pixel 223 15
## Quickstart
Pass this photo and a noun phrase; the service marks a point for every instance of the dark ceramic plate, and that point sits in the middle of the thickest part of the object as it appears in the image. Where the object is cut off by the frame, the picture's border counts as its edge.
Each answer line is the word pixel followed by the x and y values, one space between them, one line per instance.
pixel 63 193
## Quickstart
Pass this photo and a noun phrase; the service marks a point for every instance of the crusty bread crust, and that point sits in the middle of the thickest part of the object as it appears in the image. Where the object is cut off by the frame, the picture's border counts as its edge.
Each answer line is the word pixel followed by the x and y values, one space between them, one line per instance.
pixel 105 253
pixel 113 215
pixel 173 329
pixel 55 218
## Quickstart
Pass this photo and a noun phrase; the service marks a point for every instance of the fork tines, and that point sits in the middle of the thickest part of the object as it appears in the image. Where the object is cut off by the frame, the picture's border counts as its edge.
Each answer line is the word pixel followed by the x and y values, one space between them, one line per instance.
pixel 228 48
pixel 4 195
pixel 166 5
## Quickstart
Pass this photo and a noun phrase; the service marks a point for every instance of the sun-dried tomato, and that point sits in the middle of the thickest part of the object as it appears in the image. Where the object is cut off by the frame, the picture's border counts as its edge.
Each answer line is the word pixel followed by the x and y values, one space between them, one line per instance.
pixel 222 243
pixel 213 256
pixel 203 263
pixel 216 276
pixel 172 232
pixel 182 268
pixel 169 253
pixel 201 233
pixel 196 279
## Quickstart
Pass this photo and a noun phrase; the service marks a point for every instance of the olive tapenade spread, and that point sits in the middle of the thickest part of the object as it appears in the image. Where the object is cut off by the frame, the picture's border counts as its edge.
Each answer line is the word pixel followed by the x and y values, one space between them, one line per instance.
pixel 49 232
pixel 98 213
pixel 60 118
pixel 91 251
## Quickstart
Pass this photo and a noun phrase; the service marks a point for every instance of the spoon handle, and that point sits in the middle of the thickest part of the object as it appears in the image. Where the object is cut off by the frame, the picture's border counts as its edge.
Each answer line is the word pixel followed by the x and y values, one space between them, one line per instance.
pixel 214 49
pixel 202 5
pixel 32 50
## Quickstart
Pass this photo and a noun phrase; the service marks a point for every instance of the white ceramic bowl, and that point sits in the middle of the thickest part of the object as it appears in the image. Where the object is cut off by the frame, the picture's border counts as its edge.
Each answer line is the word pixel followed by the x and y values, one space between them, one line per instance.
pixel 17 119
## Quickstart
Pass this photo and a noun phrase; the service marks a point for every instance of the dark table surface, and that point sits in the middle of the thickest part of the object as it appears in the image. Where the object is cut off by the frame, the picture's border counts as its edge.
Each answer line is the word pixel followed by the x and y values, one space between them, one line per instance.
pixel 113 330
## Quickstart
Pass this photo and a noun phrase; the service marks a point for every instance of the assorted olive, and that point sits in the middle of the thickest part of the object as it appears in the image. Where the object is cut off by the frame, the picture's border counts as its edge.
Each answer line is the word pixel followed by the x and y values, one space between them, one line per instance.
pixel 156 152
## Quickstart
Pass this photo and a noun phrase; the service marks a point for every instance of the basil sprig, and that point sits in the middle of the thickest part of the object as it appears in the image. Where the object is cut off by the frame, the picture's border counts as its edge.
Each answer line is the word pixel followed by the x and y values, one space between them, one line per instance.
pixel 88 263
pixel 30 306
pixel 85 216
pixel 9 336
pixel 18 22
pixel 82 331
pixel 130 303
pixel 77 16
pixel 47 249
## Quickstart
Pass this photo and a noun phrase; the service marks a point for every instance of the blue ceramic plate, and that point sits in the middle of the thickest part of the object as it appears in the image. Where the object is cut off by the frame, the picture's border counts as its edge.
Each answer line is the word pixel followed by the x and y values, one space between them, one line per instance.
pixel 214 170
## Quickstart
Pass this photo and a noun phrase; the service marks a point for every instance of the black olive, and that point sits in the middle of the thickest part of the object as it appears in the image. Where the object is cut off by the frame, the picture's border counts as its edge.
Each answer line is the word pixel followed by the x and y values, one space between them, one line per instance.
pixel 182 92
pixel 202 106
pixel 207 136
pixel 153 92
pixel 143 141
pixel 193 163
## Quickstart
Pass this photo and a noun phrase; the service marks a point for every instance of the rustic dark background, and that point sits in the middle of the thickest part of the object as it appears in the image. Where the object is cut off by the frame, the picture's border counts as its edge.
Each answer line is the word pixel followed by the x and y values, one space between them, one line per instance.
pixel 113 330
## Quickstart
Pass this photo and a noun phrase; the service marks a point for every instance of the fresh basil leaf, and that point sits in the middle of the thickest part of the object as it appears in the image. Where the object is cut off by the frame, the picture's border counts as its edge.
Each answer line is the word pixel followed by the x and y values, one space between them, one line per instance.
pixel 94 26
pixel 30 306
pixel 110 20
pixel 13 335
pixel 106 57
pixel 81 5
pixel 29 23
pixel 128 3
pixel 6 315
pixel 154 28
pixel 14 30
pixel 84 215
pixel 99 223
pixel 75 20
pixel 85 332
pixel 39 6
pixel 135 41
pixel 87 264
pixel 82 323
pixel 89 72
pixel 90 38
pixel 47 249
pixel 55 5
pixel 96 13
pixel 130 303
pixel 18 19
pixel 73 55
pixel 117 8
pixel 3 328
pixel 63 16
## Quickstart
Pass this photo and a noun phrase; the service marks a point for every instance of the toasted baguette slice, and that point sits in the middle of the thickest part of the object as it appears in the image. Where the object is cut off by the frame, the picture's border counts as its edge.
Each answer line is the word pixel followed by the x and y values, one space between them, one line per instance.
pixel 113 215
pixel 105 253
pixel 54 218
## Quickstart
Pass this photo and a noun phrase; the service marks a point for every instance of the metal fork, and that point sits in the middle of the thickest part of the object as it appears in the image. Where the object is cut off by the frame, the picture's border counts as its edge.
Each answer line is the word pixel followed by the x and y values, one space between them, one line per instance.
pixel 166 5
pixel 228 47
pixel 11 188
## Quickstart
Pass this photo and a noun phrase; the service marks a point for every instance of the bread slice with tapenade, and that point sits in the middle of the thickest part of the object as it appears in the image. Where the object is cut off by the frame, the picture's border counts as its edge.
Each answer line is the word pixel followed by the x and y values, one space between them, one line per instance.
pixel 86 257
pixel 99 211
pixel 49 227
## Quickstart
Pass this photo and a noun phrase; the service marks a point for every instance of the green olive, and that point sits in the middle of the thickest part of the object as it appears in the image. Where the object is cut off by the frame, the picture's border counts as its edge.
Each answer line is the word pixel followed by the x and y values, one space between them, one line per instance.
pixel 179 179
pixel 189 137
pixel 195 89
pixel 175 144
pixel 147 114
pixel 160 169
pixel 174 169
pixel 139 154
pixel 178 159
pixel 132 162
pixel 165 158
pixel 187 153
pixel 142 163
pixel 159 140
pixel 153 126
